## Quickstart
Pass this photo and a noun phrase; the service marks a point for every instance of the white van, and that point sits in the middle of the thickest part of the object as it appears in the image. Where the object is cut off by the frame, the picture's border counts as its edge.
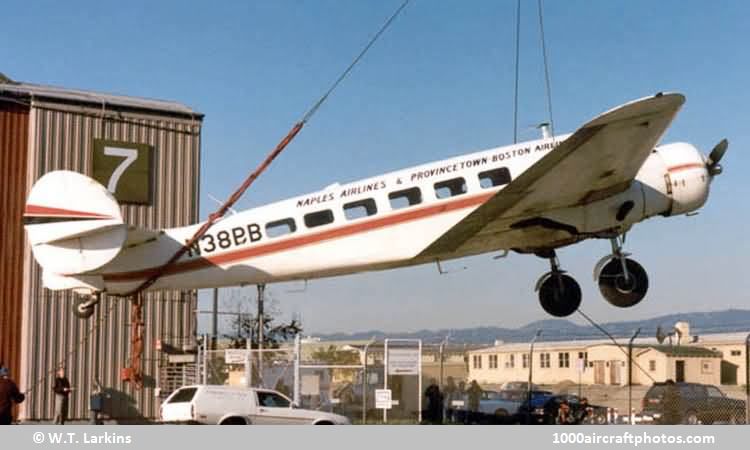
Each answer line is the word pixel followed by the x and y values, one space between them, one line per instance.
pixel 230 405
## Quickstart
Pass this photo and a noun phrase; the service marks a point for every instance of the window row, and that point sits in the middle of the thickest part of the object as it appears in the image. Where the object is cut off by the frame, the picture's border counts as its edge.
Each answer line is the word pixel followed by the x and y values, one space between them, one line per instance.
pixel 398 200
pixel 545 360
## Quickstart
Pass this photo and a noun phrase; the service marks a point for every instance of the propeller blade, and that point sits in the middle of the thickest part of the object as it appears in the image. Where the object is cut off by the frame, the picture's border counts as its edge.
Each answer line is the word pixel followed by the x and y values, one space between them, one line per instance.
pixel 717 153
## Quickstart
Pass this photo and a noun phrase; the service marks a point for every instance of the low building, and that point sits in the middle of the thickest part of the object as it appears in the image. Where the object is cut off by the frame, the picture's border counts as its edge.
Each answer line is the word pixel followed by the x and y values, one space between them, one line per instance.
pixel 677 355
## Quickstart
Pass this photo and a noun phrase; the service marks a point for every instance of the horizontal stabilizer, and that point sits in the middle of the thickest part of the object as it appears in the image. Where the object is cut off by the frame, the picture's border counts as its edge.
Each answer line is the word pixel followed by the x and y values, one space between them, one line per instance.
pixel 73 223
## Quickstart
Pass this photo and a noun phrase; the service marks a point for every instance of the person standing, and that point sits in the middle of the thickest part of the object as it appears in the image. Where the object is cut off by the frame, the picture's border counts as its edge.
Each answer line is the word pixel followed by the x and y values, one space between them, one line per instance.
pixel 434 403
pixel 62 392
pixel 9 394
pixel 450 392
pixel 475 395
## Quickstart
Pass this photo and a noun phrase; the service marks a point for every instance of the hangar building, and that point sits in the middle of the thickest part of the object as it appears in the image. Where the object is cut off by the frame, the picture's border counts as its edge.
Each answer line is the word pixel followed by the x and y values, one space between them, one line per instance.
pixel 46 128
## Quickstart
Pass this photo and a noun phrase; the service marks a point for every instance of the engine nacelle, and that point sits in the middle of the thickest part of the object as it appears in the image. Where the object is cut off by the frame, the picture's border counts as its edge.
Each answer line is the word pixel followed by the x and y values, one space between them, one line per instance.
pixel 674 180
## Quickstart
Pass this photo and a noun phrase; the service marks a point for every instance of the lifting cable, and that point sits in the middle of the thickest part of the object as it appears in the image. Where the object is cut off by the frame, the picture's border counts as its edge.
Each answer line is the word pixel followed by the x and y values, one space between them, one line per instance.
pixel 612 338
pixel 219 213
pixel 518 52
pixel 546 69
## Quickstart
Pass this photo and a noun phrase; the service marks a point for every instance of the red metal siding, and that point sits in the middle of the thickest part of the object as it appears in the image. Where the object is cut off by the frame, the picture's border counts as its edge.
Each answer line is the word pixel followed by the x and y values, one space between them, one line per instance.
pixel 14 132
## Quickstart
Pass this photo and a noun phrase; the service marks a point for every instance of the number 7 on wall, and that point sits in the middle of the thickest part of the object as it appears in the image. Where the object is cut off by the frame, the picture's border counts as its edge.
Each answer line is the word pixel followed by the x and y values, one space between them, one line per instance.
pixel 130 156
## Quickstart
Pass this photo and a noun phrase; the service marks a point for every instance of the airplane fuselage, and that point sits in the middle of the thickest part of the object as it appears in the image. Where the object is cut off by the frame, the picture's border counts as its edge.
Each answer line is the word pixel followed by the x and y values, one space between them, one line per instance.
pixel 387 221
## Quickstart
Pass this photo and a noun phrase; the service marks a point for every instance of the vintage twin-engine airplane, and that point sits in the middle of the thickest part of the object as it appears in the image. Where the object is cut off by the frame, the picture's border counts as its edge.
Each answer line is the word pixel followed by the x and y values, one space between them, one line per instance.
pixel 532 197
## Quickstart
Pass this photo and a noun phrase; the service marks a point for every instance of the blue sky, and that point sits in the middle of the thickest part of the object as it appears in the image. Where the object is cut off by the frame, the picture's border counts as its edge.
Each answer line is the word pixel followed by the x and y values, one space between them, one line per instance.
pixel 438 84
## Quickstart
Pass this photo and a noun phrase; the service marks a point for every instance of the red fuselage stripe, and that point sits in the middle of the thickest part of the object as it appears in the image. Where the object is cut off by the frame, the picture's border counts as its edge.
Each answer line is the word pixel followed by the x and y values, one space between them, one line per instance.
pixel 288 244
pixel 46 211
pixel 686 167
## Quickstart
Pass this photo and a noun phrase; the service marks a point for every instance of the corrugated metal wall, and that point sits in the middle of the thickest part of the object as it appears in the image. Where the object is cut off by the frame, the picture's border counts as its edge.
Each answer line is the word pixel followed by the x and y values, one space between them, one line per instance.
pixel 62 139
pixel 14 133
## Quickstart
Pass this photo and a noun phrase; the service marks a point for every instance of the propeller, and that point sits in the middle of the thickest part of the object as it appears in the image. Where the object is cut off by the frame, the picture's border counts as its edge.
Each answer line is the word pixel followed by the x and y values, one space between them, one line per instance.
pixel 712 163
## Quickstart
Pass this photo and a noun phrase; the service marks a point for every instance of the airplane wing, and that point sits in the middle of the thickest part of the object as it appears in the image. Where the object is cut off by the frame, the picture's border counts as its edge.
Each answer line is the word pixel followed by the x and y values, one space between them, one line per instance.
pixel 600 159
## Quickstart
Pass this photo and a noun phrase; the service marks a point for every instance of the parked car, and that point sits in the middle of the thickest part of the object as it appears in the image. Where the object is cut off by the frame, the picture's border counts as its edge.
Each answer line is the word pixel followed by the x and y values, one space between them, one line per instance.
pixel 518 386
pixel 496 406
pixel 230 405
pixel 691 403
pixel 544 411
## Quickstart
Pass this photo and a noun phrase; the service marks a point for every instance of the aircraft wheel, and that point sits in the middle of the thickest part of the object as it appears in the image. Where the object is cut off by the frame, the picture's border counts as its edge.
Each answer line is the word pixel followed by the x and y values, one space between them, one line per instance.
pixel 82 307
pixel 560 295
pixel 616 289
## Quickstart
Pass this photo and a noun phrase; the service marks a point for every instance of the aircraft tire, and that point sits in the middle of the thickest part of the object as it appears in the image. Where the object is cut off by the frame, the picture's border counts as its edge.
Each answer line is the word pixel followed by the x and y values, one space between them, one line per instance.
pixel 560 295
pixel 616 290
pixel 80 309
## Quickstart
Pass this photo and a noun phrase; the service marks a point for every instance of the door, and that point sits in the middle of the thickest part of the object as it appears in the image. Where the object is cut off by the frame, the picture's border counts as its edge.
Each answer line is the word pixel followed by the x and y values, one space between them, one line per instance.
pixel 179 406
pixel 717 406
pixel 614 372
pixel 275 409
pixel 598 372
pixel 679 371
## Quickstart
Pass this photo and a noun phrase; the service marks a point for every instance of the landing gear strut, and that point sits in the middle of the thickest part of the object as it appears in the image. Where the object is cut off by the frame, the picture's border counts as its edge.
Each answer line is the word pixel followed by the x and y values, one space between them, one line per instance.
pixel 622 281
pixel 559 294
pixel 83 306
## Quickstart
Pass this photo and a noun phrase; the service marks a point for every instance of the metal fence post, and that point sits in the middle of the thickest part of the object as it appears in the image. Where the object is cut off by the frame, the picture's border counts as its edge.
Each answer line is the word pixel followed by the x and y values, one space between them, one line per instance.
pixel 385 377
pixel 419 383
pixel 248 363
pixel 631 416
pixel 747 380
pixel 205 359
pixel 297 352
pixel 364 382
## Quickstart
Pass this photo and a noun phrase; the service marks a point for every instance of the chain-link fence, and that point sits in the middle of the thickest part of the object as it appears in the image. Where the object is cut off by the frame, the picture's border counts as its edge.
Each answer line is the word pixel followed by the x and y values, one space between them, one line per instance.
pixel 602 382
pixel 581 382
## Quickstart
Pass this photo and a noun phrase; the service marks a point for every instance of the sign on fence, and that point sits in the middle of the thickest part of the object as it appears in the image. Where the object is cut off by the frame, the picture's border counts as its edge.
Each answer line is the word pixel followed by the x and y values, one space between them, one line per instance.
pixel 310 384
pixel 383 398
pixel 403 361
pixel 235 355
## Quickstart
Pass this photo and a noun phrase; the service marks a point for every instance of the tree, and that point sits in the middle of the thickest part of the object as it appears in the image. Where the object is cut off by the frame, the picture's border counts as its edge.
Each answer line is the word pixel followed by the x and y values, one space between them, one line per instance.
pixel 335 356
pixel 246 324
pixel 270 366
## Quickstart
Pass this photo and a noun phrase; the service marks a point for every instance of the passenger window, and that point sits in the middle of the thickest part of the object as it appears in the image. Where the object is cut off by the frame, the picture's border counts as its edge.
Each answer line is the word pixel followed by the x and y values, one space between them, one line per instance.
pixel 450 188
pixel 272 400
pixel 360 208
pixel 494 177
pixel 714 392
pixel 318 218
pixel 280 227
pixel 184 395
pixel 407 197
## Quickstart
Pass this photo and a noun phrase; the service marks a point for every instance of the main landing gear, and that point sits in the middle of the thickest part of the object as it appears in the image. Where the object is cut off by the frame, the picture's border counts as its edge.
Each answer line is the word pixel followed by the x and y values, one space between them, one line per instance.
pixel 622 281
pixel 559 294
pixel 83 305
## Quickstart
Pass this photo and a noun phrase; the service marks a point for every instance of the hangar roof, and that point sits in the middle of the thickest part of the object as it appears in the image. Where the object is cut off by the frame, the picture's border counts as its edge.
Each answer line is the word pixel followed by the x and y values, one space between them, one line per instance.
pixel 26 91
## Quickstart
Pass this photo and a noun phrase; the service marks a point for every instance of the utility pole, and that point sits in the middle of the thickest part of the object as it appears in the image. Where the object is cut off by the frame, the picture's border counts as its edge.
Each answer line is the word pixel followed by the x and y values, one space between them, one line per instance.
pixel 261 321
pixel 442 358
pixel 531 373
pixel 215 320
pixel 630 375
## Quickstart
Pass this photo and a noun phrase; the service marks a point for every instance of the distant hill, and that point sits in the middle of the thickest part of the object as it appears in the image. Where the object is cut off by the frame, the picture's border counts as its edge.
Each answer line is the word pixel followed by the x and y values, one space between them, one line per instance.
pixel 731 320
